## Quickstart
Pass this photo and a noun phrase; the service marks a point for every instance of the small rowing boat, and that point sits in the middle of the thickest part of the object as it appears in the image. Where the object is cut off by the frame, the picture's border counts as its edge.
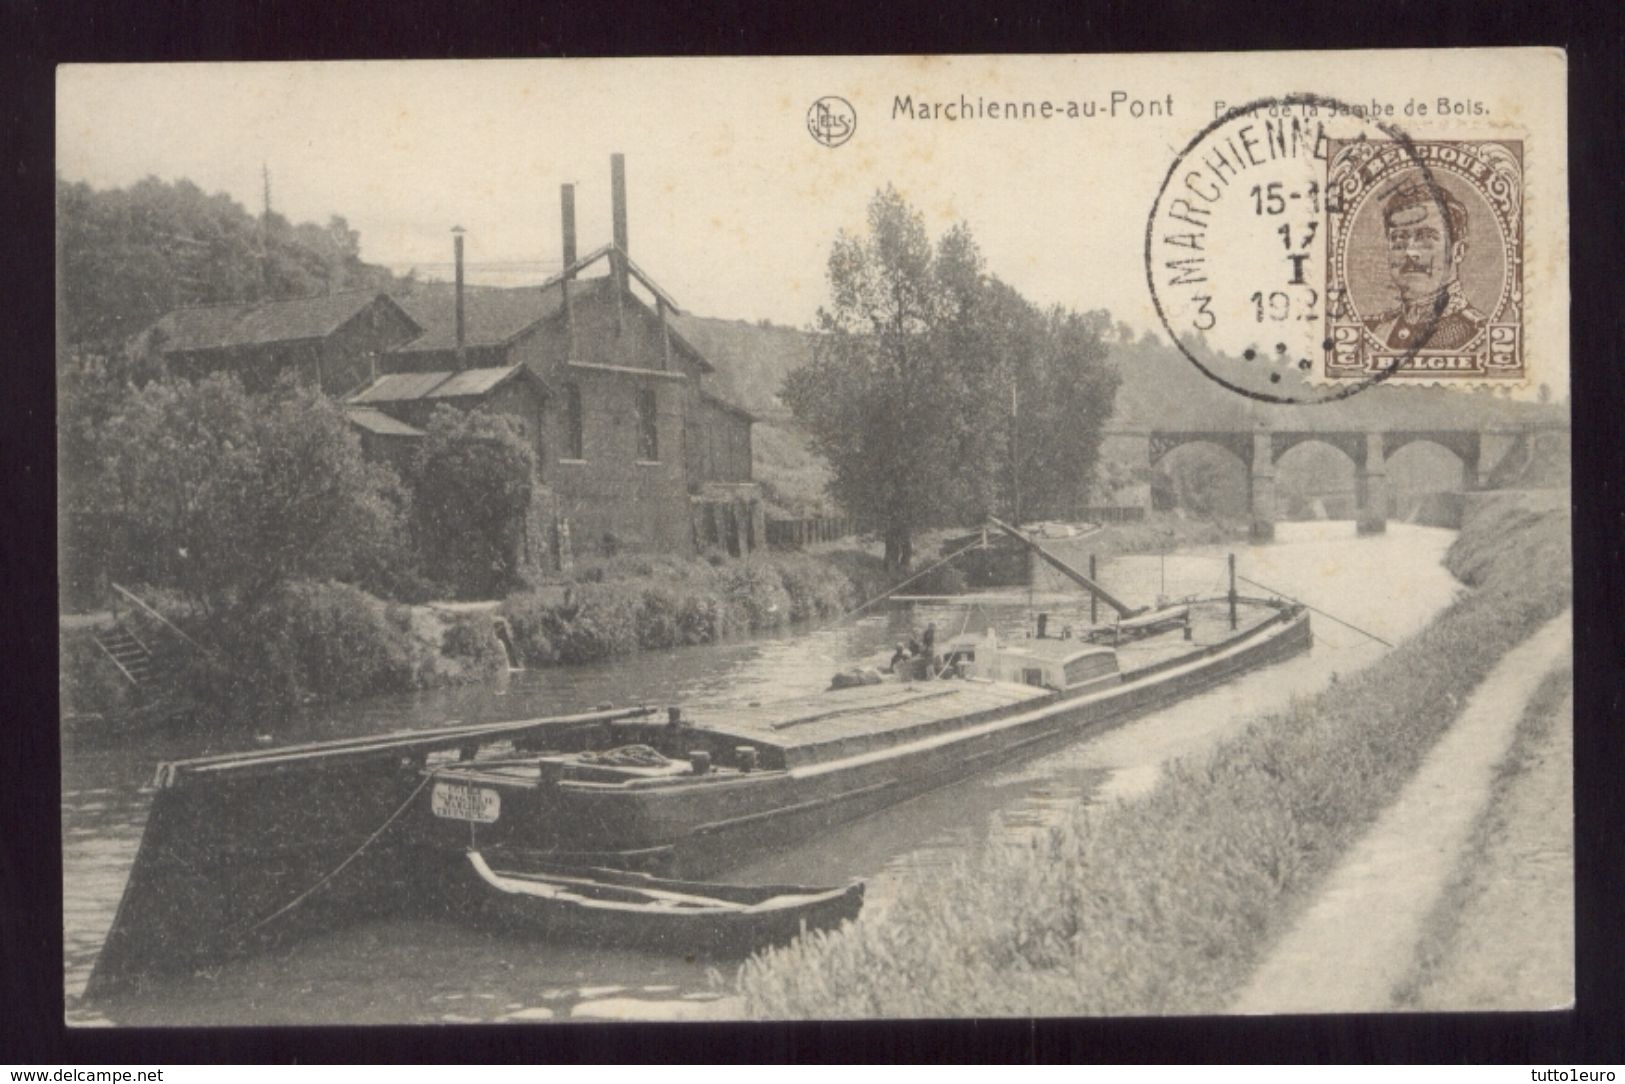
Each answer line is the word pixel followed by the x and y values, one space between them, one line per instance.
pixel 605 907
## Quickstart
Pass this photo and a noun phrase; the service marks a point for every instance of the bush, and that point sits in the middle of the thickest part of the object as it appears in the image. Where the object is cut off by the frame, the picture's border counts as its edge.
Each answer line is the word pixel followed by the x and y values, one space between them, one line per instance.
pixel 815 589
pixel 599 622
pixel 865 572
pixel 473 486
pixel 473 641
pixel 658 609
pixel 756 590
pixel 224 495
pixel 529 616
pixel 320 641
pixel 703 619
pixel 89 682
pixel 636 602
pixel 592 622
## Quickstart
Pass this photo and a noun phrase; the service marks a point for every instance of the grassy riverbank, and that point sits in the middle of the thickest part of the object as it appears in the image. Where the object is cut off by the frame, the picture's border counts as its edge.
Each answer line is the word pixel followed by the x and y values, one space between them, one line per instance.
pixel 1164 903
pixel 320 641
pixel 317 641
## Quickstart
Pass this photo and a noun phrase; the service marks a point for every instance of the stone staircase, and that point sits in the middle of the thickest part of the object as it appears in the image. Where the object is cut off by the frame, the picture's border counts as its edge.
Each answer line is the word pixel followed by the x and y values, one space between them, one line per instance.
pixel 148 650
pixel 129 653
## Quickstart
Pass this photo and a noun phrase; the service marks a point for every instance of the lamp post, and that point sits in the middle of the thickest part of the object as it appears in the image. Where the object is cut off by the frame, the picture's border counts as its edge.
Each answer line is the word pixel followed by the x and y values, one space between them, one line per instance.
pixel 457 251
pixel 1015 456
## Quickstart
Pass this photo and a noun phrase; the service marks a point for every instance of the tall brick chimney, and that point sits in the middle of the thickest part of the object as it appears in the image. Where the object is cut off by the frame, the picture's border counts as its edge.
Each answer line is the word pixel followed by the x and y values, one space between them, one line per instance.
pixel 567 216
pixel 567 213
pixel 617 180
pixel 617 259
pixel 457 249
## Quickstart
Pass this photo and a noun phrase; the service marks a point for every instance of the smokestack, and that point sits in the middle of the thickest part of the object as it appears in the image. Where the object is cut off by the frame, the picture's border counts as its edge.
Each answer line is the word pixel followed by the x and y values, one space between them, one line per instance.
pixel 617 180
pixel 457 248
pixel 567 214
pixel 567 211
pixel 617 261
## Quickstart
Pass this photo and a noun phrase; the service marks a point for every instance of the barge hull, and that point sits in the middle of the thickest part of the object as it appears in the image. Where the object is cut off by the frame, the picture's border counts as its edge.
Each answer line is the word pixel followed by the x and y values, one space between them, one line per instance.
pixel 697 829
pixel 241 850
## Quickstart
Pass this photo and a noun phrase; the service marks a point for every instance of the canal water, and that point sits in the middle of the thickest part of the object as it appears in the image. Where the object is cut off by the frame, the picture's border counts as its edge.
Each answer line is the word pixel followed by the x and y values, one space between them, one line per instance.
pixel 412 971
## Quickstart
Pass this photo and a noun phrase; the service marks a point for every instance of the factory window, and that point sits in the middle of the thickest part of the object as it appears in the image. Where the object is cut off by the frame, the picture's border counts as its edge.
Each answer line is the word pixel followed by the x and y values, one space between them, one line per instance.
pixel 648 427
pixel 575 446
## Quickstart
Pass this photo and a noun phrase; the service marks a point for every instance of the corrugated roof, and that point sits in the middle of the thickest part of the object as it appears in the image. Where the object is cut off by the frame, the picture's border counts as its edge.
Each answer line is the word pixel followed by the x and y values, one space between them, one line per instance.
pixel 491 315
pixel 399 387
pixel 376 421
pixel 410 387
pixel 473 382
pixel 259 323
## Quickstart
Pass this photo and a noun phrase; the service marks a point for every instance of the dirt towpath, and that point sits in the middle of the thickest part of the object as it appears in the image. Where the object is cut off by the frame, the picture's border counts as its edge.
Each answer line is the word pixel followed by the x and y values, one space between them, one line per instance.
pixel 1510 944
pixel 1358 941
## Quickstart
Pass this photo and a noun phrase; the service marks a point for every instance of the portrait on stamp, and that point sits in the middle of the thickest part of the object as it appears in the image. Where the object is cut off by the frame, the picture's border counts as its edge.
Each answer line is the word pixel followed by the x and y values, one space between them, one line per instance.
pixel 1424 271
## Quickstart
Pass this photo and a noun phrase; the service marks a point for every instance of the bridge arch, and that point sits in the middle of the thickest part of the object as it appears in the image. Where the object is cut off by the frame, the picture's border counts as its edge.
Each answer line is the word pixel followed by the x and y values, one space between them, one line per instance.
pixel 1464 445
pixel 1351 443
pixel 1201 475
pixel 1420 468
pixel 1318 478
pixel 1238 444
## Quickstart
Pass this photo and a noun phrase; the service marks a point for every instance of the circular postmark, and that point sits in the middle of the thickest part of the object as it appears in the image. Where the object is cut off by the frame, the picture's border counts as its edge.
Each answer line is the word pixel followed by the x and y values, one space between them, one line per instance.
pixel 831 120
pixel 1244 239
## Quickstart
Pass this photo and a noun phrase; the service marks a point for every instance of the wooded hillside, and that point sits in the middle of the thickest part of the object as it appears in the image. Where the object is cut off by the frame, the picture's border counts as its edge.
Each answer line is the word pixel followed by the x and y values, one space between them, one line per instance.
pixel 126 256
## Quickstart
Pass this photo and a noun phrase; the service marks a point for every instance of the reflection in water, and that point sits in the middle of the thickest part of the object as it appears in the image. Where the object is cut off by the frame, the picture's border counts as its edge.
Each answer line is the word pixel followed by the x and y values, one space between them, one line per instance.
pixel 411 971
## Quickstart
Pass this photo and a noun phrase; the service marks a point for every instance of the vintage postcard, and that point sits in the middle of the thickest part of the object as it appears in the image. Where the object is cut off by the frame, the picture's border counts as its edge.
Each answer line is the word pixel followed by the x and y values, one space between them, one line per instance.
pixel 815 538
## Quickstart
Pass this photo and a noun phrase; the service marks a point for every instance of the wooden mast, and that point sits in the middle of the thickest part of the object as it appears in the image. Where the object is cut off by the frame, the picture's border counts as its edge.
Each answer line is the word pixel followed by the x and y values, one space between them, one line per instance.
pixel 1122 608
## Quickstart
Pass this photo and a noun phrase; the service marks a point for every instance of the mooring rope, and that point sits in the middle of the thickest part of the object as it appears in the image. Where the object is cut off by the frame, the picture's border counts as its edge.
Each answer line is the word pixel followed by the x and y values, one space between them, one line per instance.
pixel 1318 610
pixel 965 624
pixel 297 900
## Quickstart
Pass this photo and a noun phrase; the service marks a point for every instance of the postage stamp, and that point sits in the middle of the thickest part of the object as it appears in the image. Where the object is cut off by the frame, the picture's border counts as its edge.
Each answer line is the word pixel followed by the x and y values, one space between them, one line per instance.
pixel 1424 265
pixel 1330 249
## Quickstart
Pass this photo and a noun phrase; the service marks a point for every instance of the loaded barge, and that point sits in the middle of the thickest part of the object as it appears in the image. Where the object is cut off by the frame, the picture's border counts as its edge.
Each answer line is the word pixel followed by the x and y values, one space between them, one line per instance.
pixel 242 848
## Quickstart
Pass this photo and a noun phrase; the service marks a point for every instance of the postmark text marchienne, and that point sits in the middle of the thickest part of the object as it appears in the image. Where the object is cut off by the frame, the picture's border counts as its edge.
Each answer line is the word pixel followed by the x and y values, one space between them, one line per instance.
pixel 1212 173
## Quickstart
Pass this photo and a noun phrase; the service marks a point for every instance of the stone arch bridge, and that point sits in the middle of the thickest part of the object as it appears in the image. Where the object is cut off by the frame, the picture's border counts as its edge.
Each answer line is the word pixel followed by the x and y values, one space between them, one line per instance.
pixel 1494 437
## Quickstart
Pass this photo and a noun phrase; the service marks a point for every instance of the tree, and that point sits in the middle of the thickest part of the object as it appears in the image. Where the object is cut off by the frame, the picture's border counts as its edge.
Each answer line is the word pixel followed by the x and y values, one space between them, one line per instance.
pixel 936 392
pixel 225 495
pixel 880 394
pixel 474 483
pixel 1066 394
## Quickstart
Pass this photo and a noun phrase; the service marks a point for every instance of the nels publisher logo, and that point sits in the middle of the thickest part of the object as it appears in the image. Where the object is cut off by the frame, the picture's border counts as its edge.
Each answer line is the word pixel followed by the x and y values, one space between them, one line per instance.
pixel 832 120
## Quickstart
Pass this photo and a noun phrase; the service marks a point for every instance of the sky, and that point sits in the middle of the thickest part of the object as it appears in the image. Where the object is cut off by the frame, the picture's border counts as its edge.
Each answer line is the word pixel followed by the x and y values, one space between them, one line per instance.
pixel 732 204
